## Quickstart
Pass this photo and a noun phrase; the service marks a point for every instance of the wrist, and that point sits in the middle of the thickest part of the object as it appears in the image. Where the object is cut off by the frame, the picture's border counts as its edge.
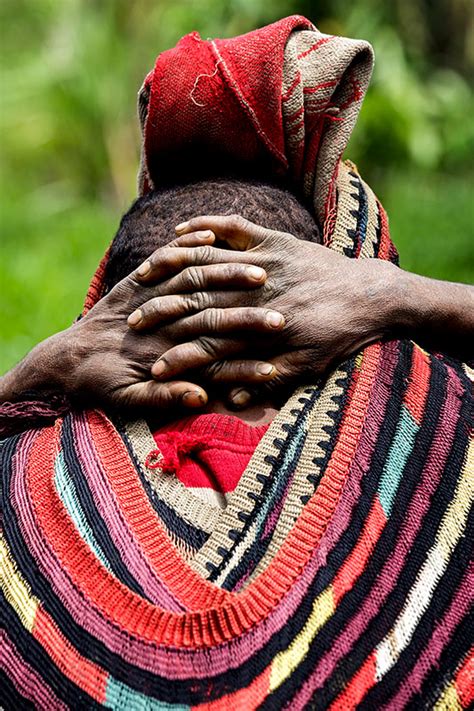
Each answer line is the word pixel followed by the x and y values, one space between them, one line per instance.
pixel 45 369
pixel 386 295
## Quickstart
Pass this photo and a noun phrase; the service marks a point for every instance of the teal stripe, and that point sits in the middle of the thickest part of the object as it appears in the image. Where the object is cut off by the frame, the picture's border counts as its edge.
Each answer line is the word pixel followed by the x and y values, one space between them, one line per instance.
pixel 400 450
pixel 67 493
pixel 119 696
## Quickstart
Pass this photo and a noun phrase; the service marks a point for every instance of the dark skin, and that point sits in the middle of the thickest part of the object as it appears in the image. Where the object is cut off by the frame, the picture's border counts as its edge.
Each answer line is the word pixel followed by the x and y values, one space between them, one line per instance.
pixel 199 312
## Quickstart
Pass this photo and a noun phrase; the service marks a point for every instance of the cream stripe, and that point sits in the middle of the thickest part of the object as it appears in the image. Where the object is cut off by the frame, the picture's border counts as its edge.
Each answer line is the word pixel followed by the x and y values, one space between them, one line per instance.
pixel 318 419
pixel 372 222
pixel 451 530
pixel 17 591
pixel 167 486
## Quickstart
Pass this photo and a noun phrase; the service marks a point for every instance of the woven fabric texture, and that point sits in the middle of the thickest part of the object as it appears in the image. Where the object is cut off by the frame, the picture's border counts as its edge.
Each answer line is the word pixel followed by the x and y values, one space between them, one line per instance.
pixel 338 576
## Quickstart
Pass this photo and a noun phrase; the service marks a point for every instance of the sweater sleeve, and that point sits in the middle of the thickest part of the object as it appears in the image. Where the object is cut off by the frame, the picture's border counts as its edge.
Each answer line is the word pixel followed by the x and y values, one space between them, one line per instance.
pixel 34 410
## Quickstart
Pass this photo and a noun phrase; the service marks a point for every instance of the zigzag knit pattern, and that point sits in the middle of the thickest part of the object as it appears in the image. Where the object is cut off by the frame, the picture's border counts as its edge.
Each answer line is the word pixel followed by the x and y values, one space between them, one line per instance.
pixel 338 576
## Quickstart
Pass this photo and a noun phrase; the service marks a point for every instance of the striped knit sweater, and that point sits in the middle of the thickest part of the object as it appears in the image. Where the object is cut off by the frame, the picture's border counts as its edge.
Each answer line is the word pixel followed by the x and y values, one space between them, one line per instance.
pixel 339 575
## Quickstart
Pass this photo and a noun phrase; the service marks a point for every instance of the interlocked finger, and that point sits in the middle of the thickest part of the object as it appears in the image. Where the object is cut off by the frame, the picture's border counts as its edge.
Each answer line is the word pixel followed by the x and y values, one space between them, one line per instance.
pixel 198 353
pixel 193 239
pixel 152 395
pixel 168 261
pixel 164 309
pixel 223 321
pixel 238 232
pixel 240 371
pixel 214 276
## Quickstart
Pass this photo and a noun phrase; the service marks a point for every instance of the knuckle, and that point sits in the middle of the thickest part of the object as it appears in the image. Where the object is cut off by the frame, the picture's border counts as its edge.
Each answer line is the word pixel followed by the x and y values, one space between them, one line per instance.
pixel 237 222
pixel 197 301
pixel 151 308
pixel 162 396
pixel 234 271
pixel 193 278
pixel 203 254
pixel 208 346
pixel 212 319
pixel 215 369
pixel 156 257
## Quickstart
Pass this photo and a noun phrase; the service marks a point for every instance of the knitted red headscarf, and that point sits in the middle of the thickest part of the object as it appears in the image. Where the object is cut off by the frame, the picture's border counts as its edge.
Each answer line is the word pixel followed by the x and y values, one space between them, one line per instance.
pixel 277 102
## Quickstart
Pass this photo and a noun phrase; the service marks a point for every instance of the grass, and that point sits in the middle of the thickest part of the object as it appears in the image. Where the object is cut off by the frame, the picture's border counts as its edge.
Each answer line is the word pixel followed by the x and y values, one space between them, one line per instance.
pixel 49 252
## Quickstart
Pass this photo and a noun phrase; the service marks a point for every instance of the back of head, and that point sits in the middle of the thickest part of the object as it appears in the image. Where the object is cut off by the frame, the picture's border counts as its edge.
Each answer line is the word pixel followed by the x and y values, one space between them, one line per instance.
pixel 151 220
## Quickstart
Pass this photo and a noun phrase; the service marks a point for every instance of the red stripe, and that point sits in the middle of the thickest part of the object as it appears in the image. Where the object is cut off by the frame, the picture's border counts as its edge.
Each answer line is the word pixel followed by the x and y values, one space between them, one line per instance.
pixel 248 698
pixel 418 384
pixel 357 688
pixel 385 241
pixel 221 614
pixel 292 87
pixel 357 560
pixel 295 128
pixel 144 522
pixel 85 674
pixel 296 114
pixel 464 681
pixel 323 85
pixel 315 46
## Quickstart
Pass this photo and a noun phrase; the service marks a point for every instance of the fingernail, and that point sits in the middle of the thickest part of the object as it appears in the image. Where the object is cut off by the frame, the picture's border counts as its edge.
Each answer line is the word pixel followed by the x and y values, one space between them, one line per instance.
pixel 274 319
pixel 205 235
pixel 264 368
pixel 135 317
pixel 144 268
pixel 158 368
pixel 256 273
pixel 182 226
pixel 241 398
pixel 194 398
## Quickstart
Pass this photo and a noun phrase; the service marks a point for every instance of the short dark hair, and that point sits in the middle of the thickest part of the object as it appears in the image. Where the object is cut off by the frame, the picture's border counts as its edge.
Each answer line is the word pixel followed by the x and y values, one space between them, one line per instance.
pixel 151 220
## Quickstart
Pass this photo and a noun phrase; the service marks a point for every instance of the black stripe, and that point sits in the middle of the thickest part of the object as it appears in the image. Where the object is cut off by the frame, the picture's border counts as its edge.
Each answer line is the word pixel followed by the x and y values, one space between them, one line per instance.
pixel 37 658
pixel 192 535
pixel 379 626
pixel 307 404
pixel 248 562
pixel 382 623
pixel 191 691
pixel 443 674
pixel 362 588
pixel 349 538
pixel 10 697
pixel 445 590
pixel 90 512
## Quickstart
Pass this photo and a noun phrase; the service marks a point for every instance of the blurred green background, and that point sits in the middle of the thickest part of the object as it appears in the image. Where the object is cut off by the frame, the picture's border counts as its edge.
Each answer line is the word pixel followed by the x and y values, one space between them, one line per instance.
pixel 69 136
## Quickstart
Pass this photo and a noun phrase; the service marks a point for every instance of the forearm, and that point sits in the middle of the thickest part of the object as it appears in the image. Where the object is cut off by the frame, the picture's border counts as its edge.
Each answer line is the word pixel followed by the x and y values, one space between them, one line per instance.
pixel 43 371
pixel 437 314
pixel 33 393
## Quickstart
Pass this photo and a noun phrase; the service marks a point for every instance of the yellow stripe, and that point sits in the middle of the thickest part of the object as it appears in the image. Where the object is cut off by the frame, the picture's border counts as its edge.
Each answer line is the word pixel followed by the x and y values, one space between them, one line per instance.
pixel 286 662
pixel 16 590
pixel 448 701
pixel 455 518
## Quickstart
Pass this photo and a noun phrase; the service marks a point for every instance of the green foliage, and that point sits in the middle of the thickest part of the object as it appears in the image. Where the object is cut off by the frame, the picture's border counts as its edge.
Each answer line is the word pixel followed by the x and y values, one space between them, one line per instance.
pixel 70 73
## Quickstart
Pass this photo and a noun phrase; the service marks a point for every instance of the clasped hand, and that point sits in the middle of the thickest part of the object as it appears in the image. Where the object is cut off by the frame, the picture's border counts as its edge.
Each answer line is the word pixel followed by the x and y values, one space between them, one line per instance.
pixel 227 302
